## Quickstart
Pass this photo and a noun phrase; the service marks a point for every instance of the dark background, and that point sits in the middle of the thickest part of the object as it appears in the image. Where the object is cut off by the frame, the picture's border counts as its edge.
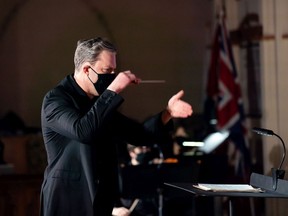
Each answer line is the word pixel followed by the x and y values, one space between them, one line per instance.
pixel 155 40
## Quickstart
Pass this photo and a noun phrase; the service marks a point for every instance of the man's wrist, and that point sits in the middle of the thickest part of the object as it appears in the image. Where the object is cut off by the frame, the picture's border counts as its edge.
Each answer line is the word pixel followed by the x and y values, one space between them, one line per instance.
pixel 166 116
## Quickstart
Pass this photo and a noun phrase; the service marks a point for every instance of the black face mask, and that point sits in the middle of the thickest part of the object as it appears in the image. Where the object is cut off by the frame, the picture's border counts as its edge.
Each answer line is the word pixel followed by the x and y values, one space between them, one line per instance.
pixel 104 80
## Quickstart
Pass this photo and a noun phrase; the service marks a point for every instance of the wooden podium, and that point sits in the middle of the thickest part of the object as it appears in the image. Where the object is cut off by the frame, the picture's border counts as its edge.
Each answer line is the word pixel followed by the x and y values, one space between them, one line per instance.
pixel 256 180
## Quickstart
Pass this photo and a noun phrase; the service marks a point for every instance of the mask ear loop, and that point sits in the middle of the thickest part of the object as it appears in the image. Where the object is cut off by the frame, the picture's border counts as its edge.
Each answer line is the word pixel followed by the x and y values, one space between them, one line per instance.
pixel 89 76
pixel 90 79
pixel 94 70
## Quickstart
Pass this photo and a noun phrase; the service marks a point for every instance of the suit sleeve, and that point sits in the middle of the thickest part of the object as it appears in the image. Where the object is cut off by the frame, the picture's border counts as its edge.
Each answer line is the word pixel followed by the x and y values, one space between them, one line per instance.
pixel 142 134
pixel 61 113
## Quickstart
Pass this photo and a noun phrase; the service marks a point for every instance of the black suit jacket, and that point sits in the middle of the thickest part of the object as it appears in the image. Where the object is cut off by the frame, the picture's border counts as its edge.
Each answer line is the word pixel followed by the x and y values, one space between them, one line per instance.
pixel 81 137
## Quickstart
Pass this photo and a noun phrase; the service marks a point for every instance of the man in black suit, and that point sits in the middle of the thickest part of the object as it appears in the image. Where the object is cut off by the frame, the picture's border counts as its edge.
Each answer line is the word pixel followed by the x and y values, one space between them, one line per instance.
pixel 80 124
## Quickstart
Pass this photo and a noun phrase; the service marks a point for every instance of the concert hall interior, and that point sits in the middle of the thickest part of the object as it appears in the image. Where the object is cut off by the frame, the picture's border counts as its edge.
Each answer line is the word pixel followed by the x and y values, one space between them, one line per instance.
pixel 229 57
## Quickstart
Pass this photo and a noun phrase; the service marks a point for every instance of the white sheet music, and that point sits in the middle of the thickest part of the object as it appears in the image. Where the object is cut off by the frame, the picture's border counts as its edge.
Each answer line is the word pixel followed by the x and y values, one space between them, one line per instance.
pixel 228 187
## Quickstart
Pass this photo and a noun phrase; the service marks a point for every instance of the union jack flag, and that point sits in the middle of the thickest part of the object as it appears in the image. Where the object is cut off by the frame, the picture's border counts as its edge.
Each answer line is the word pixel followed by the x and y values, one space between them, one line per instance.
pixel 224 95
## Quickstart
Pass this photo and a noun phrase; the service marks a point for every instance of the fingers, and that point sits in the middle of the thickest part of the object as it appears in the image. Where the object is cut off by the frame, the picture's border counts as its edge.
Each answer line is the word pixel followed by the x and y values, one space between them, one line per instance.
pixel 180 94
pixel 179 108
pixel 186 110
pixel 177 96
pixel 132 77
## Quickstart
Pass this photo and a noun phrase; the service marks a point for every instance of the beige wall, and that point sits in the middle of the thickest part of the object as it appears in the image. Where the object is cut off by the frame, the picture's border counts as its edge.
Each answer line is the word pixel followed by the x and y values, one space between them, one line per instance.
pixel 273 16
pixel 155 39
pixel 275 76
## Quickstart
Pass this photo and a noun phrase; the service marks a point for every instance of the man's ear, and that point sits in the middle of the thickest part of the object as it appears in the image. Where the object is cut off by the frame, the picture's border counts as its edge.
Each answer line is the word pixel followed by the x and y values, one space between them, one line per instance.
pixel 85 68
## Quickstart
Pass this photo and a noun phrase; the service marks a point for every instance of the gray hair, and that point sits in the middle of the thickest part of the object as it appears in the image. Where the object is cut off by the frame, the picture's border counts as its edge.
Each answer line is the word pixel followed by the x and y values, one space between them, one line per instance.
pixel 88 50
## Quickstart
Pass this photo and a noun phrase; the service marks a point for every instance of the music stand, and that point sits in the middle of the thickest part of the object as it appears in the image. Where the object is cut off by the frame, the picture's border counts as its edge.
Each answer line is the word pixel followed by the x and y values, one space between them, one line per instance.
pixel 146 181
pixel 256 180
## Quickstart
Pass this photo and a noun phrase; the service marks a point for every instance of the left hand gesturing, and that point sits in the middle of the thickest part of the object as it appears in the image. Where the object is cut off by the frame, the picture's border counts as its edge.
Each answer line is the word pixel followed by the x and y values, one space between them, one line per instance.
pixel 179 108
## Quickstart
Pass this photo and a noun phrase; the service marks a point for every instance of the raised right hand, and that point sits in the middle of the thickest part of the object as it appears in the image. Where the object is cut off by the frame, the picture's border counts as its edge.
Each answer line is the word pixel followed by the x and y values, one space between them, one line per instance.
pixel 122 80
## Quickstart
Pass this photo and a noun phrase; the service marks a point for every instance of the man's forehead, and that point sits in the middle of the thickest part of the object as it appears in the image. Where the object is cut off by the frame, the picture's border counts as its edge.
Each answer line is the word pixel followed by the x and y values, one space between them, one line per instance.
pixel 108 59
